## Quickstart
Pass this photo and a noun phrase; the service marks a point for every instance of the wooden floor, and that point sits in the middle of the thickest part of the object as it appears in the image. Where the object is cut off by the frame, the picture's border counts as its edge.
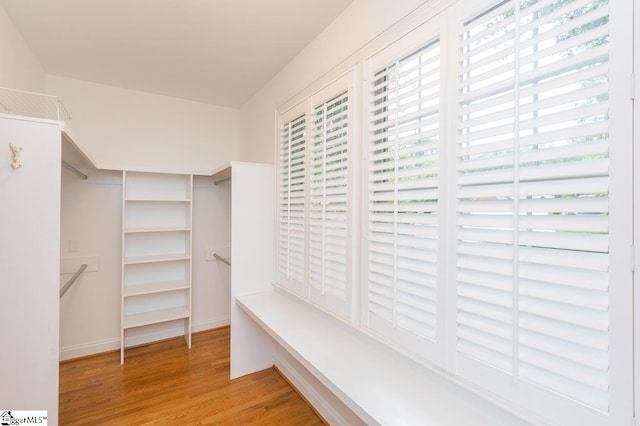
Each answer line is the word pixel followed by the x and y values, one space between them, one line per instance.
pixel 166 383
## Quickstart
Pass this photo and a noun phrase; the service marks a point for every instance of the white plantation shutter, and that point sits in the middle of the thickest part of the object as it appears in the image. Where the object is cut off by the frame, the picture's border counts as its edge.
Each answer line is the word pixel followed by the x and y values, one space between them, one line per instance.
pixel 496 201
pixel 292 174
pixel 533 197
pixel 315 207
pixel 402 194
pixel 330 208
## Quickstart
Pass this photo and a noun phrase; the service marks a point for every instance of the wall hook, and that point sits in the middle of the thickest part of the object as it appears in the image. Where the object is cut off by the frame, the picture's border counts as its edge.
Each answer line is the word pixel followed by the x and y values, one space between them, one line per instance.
pixel 15 150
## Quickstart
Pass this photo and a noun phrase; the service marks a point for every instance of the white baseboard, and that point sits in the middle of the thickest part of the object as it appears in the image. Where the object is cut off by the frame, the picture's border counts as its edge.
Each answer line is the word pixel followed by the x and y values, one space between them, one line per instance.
pixel 107 345
pixel 210 323
pixel 90 348
pixel 152 333
pixel 329 406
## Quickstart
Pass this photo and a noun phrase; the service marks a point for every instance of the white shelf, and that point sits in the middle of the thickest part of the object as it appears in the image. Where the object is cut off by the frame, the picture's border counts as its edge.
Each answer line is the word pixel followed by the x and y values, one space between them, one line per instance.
pixel 154 317
pixel 141 230
pixel 157 258
pixel 157 186
pixel 152 288
pixel 377 383
pixel 157 200
pixel 156 253
pixel 157 215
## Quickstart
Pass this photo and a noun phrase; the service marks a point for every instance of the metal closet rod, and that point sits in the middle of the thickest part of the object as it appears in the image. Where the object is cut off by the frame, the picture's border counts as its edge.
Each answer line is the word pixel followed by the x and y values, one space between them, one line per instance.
pixel 74 170
pixel 73 279
pixel 218 182
pixel 222 259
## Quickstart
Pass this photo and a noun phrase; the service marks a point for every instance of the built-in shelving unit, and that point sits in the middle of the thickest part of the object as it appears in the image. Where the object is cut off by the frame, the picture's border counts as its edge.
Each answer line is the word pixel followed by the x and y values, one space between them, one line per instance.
pixel 156 251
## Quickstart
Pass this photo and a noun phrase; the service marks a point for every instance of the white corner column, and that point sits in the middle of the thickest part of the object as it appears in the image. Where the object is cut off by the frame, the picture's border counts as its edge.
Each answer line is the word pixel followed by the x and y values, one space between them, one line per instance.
pixel 30 264
pixel 252 224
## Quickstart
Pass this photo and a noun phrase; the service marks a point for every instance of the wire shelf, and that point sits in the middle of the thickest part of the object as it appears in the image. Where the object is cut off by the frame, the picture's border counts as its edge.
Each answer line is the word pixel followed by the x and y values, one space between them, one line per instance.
pixel 31 104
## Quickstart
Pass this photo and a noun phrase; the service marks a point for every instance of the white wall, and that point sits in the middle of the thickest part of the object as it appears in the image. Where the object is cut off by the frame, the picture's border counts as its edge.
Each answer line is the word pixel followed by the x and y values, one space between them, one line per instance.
pixel 127 129
pixel 19 68
pixel 91 227
pixel 211 230
pixel 361 22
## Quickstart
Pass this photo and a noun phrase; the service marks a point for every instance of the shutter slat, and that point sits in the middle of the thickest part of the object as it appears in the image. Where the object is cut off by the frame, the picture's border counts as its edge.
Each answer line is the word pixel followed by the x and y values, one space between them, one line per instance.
pixel 565 151
pixel 576 334
pixel 565 170
pixel 560 384
pixel 580 277
pixel 593 57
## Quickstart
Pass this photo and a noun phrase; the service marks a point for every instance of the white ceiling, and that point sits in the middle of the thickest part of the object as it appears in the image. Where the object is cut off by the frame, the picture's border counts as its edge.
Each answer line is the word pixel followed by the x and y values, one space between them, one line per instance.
pixel 214 51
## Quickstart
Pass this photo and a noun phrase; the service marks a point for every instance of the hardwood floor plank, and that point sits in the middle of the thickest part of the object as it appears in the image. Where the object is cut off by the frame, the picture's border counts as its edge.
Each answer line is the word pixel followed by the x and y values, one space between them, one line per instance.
pixel 167 383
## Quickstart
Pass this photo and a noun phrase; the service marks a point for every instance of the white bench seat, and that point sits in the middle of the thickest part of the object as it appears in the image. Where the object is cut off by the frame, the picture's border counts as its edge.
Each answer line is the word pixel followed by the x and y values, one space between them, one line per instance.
pixel 380 385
